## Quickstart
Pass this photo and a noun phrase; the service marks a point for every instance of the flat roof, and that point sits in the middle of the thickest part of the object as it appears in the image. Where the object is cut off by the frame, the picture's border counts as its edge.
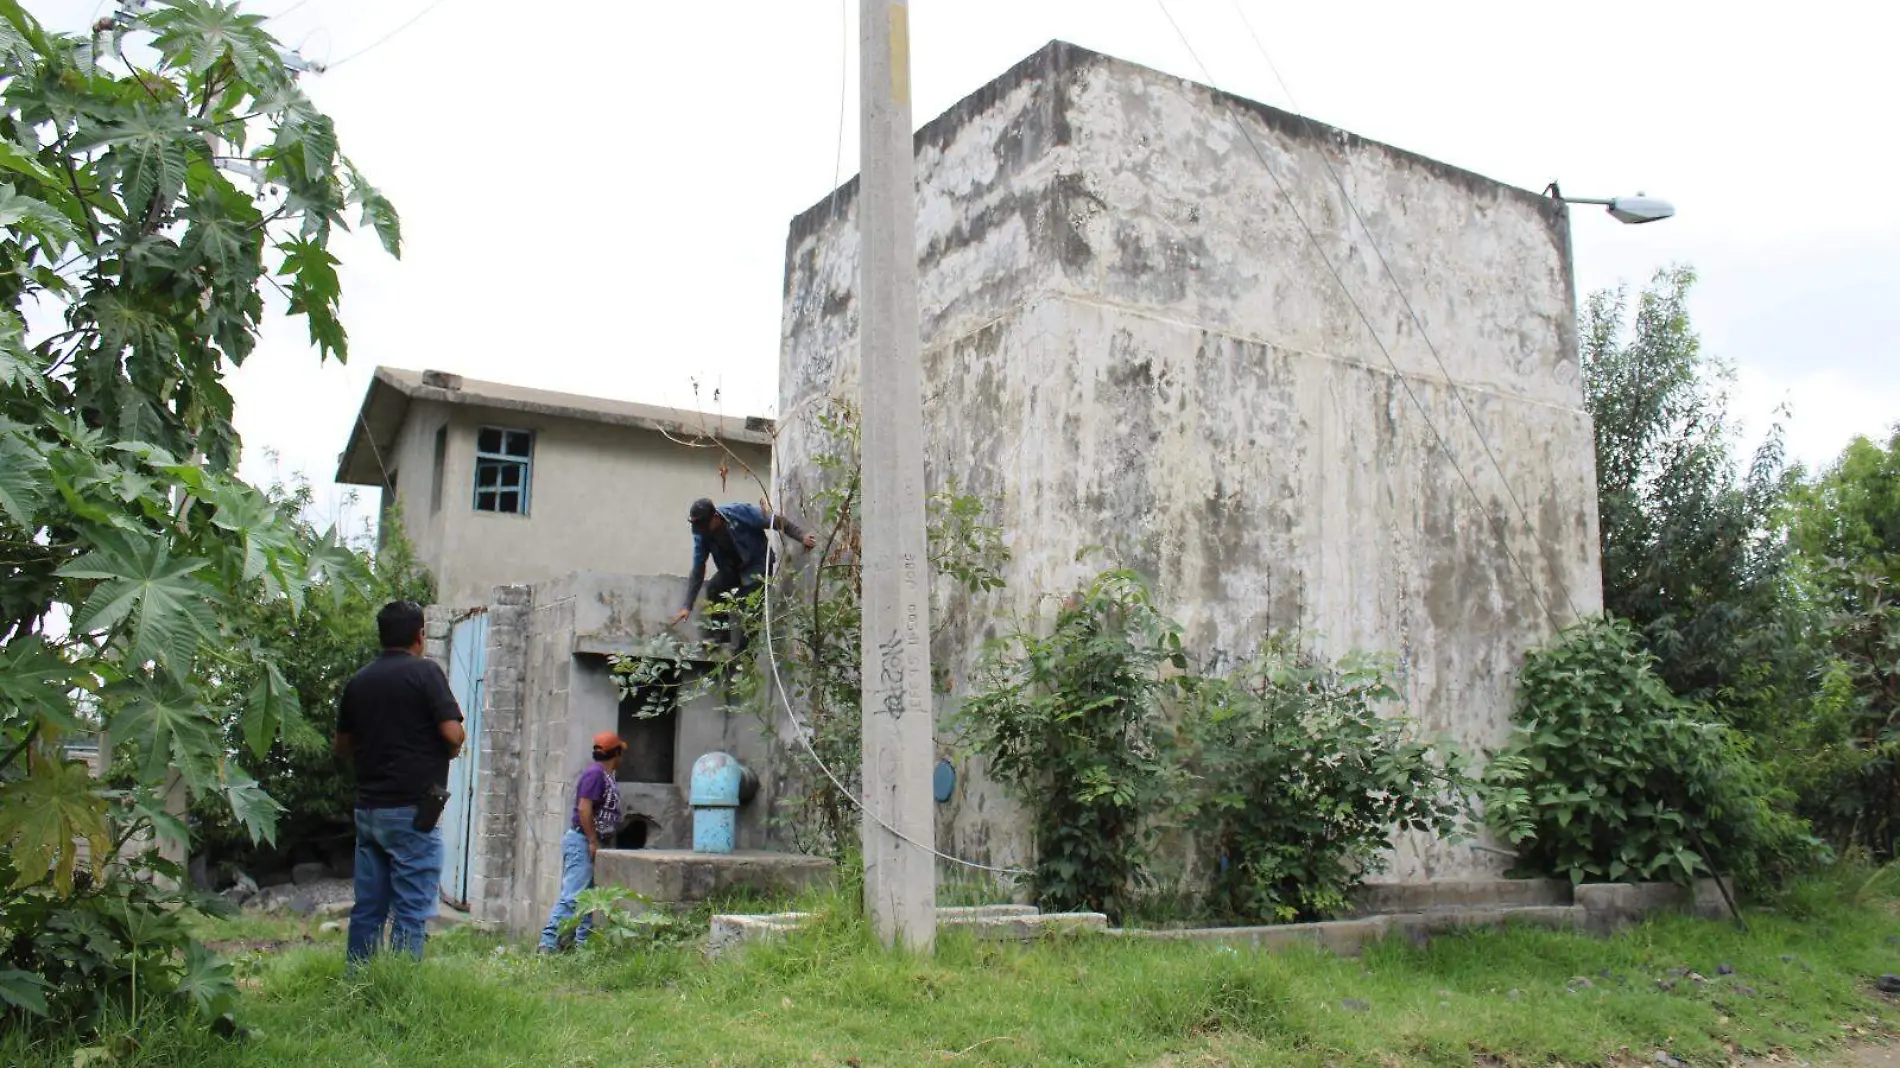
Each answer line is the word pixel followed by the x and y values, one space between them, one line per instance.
pixel 392 389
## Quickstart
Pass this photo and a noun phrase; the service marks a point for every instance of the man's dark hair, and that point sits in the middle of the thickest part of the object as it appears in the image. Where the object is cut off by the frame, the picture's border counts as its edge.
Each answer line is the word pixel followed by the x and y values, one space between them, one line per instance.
pixel 399 624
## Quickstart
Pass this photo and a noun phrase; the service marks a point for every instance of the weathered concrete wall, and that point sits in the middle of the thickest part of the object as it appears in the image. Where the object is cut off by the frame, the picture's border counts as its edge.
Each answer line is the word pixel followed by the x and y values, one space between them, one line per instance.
pixel 604 498
pixel 549 692
pixel 1130 342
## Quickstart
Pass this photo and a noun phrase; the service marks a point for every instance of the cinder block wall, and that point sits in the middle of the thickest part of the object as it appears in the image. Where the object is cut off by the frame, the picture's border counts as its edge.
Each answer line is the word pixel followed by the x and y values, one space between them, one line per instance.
pixel 548 693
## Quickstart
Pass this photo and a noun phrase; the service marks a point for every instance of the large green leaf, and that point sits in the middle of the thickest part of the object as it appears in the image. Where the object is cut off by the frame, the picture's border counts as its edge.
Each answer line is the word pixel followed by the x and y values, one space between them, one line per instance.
pixel 208 982
pixel 166 827
pixel 21 39
pixel 378 212
pixel 44 813
pixel 148 149
pixel 22 480
pixel 330 562
pixel 197 35
pixel 266 536
pixel 19 366
pixel 254 808
pixel 23 990
pixel 174 730
pixel 18 160
pixel 36 680
pixel 24 214
pixel 313 293
pixel 168 608
pixel 270 708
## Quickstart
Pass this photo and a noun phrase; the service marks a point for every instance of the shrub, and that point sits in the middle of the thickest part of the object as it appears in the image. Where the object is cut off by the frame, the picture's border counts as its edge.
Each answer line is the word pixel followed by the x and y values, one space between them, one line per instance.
pixel 1072 722
pixel 114 949
pixel 1301 783
pixel 1610 776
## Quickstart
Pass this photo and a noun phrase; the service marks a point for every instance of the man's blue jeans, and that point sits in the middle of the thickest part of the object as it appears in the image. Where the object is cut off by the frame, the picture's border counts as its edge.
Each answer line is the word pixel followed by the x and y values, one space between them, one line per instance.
pixel 398 880
pixel 577 874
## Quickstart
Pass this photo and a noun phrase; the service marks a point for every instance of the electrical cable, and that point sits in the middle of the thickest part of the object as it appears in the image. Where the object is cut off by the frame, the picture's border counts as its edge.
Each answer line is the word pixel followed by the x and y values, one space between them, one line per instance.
pixel 804 738
pixel 380 41
pixel 286 11
pixel 1404 382
pixel 1410 311
pixel 771 653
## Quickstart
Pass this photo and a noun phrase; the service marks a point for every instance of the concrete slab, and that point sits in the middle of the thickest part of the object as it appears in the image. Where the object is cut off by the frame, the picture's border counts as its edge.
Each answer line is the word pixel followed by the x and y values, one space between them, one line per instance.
pixel 1441 894
pixel 987 923
pixel 1348 938
pixel 683 877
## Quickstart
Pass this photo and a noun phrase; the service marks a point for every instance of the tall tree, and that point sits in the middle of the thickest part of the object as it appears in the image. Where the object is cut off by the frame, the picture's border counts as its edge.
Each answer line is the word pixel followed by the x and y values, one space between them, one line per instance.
pixel 316 647
pixel 1846 766
pixel 1692 554
pixel 132 271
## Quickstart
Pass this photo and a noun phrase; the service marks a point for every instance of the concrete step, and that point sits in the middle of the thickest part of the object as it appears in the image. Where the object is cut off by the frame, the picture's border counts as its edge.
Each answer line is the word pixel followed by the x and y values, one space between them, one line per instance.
pixel 988 923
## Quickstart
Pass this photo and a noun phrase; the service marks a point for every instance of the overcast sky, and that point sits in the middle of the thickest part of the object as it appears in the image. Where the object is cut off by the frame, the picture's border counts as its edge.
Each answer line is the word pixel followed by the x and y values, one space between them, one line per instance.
pixel 595 195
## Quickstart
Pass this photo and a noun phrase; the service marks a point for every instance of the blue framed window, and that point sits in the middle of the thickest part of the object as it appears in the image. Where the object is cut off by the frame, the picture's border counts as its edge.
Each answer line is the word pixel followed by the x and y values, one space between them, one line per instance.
pixel 504 469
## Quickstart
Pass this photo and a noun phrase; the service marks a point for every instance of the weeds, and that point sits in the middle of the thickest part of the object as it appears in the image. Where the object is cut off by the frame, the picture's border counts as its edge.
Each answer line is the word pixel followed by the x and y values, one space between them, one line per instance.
pixel 1799 980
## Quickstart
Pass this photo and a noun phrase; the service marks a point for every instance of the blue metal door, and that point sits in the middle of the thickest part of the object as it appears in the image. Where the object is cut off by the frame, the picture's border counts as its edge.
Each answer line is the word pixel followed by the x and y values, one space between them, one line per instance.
pixel 468 655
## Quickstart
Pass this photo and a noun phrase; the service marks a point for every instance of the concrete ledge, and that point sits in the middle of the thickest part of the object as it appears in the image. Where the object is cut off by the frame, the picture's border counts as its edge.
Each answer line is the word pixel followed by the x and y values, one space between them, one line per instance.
pixel 622 645
pixel 1440 894
pixel 1348 938
pixel 1344 937
pixel 987 923
pixel 1615 906
pixel 683 877
pixel 1597 908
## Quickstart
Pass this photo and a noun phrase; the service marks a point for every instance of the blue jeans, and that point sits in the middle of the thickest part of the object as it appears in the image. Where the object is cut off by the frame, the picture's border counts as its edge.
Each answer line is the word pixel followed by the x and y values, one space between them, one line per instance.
pixel 399 872
pixel 577 874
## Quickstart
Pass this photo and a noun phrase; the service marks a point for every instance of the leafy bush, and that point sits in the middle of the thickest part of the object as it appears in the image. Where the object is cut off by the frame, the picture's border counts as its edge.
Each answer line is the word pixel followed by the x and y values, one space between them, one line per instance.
pixel 623 919
pixel 1609 776
pixel 1301 783
pixel 1073 723
pixel 316 649
pixel 114 949
pixel 129 540
pixel 1843 757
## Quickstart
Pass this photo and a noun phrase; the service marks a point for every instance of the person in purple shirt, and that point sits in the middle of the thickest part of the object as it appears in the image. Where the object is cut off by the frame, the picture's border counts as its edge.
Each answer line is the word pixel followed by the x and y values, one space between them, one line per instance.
pixel 593 821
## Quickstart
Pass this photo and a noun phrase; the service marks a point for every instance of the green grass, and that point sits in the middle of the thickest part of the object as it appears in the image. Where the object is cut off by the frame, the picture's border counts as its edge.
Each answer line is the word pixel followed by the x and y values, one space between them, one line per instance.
pixel 1801 983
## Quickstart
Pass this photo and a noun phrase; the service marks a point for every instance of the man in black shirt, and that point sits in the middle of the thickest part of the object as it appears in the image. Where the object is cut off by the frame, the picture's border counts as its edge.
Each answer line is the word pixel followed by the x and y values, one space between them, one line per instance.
pixel 401 726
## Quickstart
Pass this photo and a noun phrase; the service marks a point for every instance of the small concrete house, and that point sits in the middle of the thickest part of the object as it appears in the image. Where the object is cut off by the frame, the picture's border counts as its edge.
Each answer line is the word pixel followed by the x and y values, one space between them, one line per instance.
pixel 555 528
pixel 500 484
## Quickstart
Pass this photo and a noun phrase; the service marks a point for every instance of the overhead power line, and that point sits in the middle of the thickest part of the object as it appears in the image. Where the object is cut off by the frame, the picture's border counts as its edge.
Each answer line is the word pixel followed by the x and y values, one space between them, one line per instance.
pixel 1359 311
pixel 385 38
pixel 1385 265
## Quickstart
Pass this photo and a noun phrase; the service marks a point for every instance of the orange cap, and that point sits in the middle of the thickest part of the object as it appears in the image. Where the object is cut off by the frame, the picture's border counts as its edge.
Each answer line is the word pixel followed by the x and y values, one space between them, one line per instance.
pixel 608 742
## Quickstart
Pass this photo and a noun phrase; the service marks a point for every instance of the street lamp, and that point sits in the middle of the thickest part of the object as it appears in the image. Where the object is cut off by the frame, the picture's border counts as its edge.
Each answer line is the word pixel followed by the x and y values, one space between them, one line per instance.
pixel 1632 210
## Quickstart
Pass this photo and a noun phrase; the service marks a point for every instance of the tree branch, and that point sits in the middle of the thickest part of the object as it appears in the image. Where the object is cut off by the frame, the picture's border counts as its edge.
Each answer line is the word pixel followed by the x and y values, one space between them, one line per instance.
pixel 32 733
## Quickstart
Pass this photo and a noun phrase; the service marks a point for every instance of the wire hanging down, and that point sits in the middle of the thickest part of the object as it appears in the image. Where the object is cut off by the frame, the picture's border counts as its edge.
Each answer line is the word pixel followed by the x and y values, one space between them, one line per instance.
pixel 773 493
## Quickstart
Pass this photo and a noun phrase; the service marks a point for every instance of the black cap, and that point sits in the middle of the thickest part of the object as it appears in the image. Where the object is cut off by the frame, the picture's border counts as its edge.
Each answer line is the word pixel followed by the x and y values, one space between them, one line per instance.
pixel 701 511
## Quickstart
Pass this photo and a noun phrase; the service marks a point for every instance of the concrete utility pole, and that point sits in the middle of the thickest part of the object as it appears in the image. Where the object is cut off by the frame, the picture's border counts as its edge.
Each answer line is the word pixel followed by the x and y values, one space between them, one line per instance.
pixel 900 877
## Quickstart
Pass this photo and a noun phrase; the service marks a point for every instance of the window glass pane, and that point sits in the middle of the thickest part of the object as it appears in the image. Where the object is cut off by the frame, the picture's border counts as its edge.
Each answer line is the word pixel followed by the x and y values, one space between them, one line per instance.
pixel 511 476
pixel 510 501
pixel 517 443
pixel 486 475
pixel 489 440
pixel 485 502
